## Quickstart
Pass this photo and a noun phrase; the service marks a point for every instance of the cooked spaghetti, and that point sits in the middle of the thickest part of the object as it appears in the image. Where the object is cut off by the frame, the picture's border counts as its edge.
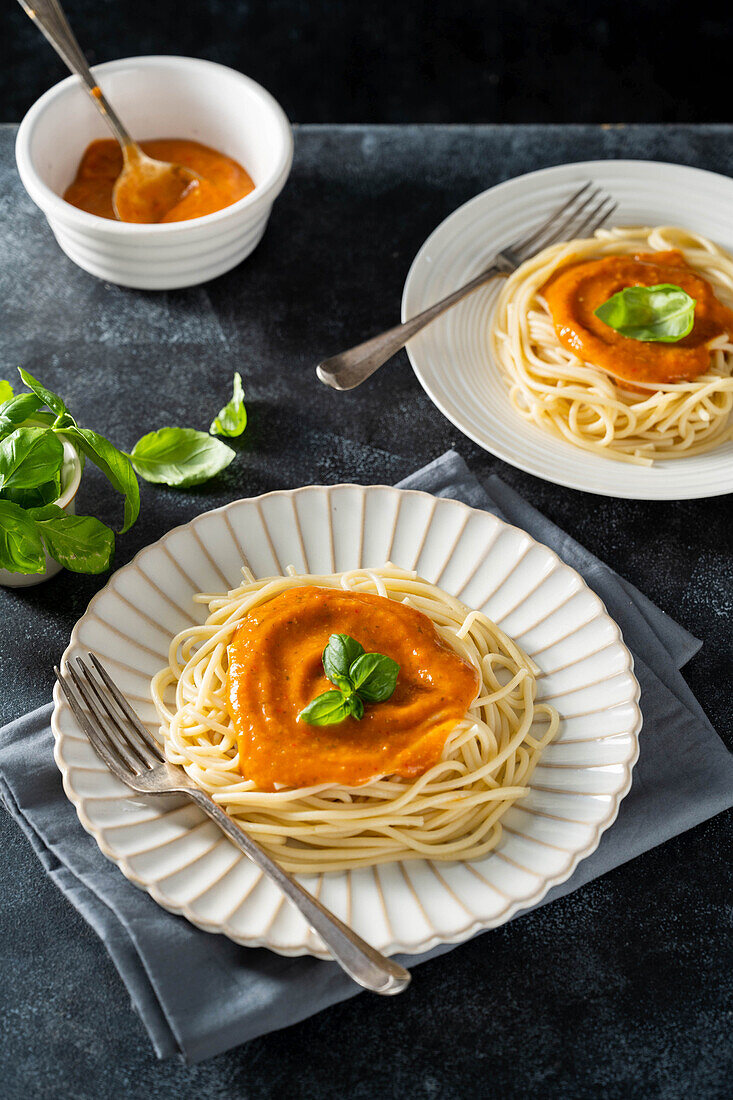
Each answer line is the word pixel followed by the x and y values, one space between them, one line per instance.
pixel 451 811
pixel 590 407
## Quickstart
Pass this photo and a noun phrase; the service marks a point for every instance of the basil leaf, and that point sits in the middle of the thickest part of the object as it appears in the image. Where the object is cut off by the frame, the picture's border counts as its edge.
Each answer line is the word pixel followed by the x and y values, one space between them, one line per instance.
pixel 36 497
pixel 354 706
pixel 115 466
pixel 325 710
pixel 181 457
pixel 29 457
pixel 48 397
pixel 338 657
pixel 21 549
pixel 663 313
pixel 79 543
pixel 374 676
pixel 6 391
pixel 232 419
pixel 16 410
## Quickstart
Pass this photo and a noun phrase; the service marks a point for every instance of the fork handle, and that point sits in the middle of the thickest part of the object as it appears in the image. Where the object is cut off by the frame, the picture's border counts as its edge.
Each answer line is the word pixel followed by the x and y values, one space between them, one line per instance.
pixel 351 368
pixel 360 961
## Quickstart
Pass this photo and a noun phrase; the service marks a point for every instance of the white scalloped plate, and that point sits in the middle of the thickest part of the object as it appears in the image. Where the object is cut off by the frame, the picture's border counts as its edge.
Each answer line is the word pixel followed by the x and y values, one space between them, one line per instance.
pixel 171 850
pixel 452 358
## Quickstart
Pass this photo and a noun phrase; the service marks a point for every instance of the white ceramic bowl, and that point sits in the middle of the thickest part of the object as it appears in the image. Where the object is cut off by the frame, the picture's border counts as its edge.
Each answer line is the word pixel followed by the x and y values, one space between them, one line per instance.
pixel 70 481
pixel 157 97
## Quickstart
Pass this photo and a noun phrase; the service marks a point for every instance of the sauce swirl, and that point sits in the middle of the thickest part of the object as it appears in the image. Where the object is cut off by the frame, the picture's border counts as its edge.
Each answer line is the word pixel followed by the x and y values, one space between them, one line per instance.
pixel 575 291
pixel 223 180
pixel 275 670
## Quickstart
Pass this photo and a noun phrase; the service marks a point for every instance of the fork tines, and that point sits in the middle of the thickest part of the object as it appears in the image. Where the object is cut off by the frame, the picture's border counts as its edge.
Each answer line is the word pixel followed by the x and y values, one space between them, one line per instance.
pixel 110 723
pixel 584 212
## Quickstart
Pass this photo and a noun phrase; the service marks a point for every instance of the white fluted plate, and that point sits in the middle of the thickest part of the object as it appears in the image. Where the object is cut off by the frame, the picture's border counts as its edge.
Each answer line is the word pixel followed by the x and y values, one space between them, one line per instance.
pixel 182 859
pixel 452 358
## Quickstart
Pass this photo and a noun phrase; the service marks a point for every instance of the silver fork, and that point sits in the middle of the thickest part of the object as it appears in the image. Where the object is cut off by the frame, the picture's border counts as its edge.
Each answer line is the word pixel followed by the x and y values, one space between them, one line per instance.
pixel 132 753
pixel 583 212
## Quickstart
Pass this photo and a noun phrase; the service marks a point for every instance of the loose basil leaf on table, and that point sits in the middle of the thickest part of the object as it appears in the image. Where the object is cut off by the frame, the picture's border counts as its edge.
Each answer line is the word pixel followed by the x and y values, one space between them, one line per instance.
pixel 82 544
pixel 114 464
pixel 181 457
pixel 21 549
pixel 327 709
pixel 6 391
pixel 374 677
pixel 232 419
pixel 663 313
pixel 16 410
pixel 29 457
pixel 338 657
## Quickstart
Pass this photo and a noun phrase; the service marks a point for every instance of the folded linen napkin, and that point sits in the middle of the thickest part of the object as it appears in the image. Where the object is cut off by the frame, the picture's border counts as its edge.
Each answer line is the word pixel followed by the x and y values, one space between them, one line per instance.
pixel 226 994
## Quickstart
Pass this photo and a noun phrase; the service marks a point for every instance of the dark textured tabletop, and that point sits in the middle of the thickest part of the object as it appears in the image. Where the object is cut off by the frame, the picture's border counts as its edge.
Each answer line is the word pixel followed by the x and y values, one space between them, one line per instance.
pixel 622 989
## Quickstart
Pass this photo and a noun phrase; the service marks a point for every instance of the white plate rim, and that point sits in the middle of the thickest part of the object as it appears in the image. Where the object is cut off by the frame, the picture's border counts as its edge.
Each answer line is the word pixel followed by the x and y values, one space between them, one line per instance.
pixel 471 927
pixel 515 458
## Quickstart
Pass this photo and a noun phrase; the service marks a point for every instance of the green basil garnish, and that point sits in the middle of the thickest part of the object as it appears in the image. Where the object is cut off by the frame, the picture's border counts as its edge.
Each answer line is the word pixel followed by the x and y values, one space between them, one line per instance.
pixel 374 677
pixel 359 677
pixel 6 391
pixel 338 657
pixel 232 419
pixel 660 314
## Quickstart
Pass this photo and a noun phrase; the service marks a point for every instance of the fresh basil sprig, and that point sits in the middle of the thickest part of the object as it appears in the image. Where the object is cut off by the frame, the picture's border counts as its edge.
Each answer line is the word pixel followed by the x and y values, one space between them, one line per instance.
pixel 32 429
pixel 359 678
pixel 232 419
pixel 663 313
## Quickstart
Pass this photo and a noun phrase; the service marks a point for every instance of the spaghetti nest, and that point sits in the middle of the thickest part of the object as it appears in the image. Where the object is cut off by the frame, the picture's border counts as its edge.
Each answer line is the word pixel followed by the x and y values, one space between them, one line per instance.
pixel 452 811
pixel 578 402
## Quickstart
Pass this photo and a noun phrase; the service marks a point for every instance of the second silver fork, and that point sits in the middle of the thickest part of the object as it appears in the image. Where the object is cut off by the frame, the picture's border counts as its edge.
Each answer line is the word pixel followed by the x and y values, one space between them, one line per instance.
pixel 584 212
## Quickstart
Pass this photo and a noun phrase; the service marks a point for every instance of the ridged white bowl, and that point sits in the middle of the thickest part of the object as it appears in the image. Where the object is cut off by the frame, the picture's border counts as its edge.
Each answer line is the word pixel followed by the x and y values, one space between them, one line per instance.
pixel 452 358
pixel 157 97
pixel 185 862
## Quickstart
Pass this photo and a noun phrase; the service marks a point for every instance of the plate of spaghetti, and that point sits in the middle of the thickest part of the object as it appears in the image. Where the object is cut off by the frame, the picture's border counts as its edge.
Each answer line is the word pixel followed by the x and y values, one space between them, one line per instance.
pixel 413 706
pixel 550 368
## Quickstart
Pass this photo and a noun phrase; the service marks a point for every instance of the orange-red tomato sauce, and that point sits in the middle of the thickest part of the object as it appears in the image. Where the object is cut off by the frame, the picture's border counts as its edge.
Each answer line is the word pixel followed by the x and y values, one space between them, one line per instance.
pixel 275 670
pixel 223 180
pixel 575 291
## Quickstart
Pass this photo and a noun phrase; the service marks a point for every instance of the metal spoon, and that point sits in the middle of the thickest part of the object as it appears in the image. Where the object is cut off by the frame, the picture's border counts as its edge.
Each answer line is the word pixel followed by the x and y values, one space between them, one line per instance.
pixel 146 189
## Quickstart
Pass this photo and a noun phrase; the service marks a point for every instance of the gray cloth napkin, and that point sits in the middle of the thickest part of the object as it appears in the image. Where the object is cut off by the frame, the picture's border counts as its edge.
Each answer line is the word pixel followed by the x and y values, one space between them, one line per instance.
pixel 200 994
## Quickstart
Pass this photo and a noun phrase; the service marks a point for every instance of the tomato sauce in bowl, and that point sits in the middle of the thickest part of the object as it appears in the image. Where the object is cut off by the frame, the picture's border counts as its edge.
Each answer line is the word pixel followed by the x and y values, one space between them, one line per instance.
pixel 223 180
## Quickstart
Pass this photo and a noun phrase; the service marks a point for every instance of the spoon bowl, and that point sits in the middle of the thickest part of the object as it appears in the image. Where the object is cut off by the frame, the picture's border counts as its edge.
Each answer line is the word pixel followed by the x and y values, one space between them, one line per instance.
pixel 148 189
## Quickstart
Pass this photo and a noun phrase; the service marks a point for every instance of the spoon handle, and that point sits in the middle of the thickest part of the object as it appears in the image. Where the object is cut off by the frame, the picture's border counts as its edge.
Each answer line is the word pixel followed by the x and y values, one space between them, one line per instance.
pixel 53 24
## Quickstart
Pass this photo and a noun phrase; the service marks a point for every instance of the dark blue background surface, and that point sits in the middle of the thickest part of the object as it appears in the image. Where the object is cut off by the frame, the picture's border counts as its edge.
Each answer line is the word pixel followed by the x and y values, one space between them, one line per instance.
pixel 415 60
pixel 620 990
